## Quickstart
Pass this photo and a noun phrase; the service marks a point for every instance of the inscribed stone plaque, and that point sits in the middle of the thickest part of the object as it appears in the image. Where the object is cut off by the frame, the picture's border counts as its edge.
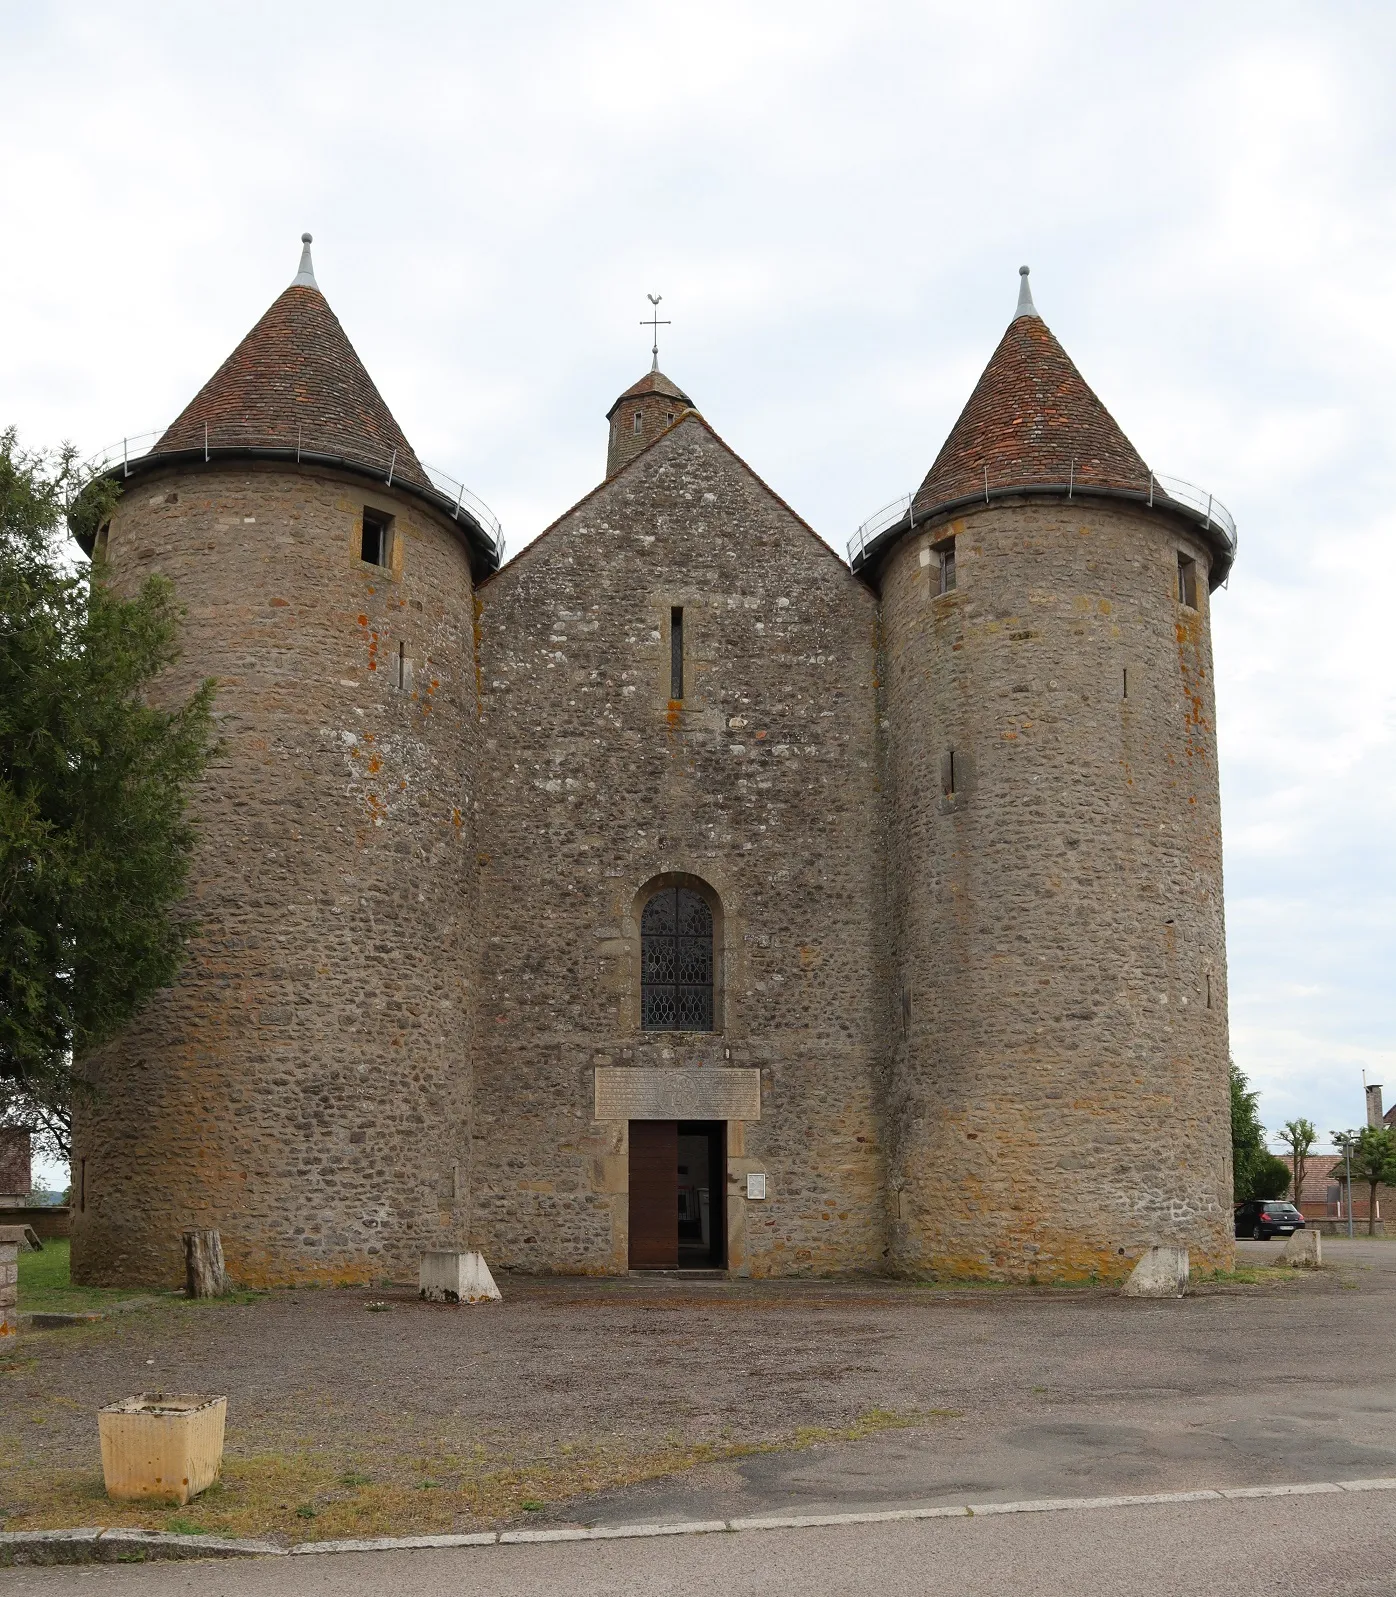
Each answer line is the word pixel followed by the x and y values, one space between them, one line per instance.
pixel 633 1094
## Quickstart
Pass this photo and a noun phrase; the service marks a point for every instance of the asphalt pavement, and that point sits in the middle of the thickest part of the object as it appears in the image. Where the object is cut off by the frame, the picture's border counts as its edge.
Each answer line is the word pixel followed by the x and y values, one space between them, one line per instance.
pixel 1210 1392
pixel 1337 1546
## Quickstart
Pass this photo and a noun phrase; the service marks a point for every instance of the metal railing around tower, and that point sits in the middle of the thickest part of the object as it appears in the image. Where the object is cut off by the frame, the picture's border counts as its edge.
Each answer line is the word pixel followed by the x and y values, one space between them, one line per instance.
pixel 1200 505
pixel 295 443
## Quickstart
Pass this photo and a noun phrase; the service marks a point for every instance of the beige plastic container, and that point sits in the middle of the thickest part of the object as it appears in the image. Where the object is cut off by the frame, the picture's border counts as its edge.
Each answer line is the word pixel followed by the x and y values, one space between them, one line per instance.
pixel 162 1446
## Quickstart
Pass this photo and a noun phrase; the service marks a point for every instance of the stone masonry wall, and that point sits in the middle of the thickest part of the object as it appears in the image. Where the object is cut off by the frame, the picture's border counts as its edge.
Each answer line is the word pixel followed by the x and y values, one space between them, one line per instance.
pixel 1060 1078
pixel 761 782
pixel 304 1084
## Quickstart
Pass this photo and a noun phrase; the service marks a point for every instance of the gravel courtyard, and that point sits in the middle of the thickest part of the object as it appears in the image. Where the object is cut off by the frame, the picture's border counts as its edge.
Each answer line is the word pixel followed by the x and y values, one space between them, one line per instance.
pixel 356 1412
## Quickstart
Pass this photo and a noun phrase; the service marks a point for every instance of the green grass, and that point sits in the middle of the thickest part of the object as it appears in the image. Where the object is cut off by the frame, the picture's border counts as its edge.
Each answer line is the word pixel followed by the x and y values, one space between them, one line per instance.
pixel 46 1287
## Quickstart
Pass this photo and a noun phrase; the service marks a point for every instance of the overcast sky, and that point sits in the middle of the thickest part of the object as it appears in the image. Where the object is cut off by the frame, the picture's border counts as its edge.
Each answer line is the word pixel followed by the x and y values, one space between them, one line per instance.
pixel 834 200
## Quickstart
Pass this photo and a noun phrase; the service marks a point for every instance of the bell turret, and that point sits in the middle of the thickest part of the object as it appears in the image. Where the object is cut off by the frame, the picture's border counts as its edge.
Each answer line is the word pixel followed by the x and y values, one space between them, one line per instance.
pixel 641 413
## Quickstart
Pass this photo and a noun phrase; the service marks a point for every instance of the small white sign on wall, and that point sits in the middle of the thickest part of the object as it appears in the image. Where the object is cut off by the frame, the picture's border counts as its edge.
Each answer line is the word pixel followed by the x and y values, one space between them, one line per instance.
pixel 755 1185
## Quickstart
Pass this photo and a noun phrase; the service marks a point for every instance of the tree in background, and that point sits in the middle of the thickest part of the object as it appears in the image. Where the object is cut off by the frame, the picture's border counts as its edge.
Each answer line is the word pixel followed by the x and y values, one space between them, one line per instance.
pixel 1255 1171
pixel 1373 1161
pixel 1299 1137
pixel 94 840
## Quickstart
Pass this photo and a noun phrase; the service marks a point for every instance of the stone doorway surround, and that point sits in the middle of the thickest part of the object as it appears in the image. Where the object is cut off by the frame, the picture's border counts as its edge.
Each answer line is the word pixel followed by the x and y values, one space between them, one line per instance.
pixel 626 1095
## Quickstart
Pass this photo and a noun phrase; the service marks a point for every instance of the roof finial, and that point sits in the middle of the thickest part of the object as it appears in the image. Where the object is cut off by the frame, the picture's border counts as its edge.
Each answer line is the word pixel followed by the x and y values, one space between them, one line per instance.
pixel 1025 304
pixel 305 278
pixel 656 324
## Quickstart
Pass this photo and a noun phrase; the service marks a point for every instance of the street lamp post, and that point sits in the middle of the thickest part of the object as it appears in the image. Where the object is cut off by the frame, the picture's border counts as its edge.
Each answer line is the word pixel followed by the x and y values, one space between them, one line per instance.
pixel 1345 1140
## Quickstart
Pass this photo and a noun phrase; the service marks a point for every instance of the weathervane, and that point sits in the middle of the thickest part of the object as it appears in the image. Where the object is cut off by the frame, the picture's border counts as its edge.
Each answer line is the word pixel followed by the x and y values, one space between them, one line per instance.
pixel 655 323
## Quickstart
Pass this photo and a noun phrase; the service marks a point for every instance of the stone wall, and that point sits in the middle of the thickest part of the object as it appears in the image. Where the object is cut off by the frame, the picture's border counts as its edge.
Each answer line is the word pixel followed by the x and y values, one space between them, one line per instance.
pixel 761 783
pixel 47 1221
pixel 1059 1088
pixel 304 1084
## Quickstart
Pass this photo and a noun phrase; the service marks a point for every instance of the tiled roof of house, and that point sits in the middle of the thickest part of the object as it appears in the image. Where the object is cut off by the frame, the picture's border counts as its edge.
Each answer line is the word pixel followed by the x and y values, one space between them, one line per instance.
pixel 653 382
pixel 296 381
pixel 1031 420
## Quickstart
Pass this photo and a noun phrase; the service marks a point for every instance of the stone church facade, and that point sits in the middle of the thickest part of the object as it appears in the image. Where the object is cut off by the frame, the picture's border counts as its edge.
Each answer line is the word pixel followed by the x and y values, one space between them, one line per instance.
pixel 676 894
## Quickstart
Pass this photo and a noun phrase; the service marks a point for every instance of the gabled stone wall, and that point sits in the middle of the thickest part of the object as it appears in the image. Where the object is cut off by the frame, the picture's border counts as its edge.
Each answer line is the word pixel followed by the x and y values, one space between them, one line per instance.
pixel 762 783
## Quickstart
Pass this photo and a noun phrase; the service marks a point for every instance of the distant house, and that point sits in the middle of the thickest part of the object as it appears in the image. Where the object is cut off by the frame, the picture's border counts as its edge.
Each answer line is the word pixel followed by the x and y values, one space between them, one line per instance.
pixel 1324 1196
pixel 16 1176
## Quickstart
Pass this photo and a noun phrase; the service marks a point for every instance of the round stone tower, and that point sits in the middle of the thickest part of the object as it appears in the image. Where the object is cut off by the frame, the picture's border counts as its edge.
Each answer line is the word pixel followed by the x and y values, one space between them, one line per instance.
pixel 304 1085
pixel 1059 1092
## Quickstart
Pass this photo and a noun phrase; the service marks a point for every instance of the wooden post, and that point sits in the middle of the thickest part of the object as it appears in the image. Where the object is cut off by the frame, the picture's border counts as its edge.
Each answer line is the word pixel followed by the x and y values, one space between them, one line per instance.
pixel 204 1276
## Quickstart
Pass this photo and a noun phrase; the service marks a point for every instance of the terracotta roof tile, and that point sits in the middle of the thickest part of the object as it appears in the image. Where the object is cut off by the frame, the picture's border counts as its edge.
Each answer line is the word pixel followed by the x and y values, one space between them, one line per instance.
pixel 1032 419
pixel 653 382
pixel 296 378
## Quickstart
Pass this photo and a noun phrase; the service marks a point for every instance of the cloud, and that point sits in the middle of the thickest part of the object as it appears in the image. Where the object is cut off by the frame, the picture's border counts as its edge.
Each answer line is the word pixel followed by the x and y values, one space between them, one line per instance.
pixel 834 201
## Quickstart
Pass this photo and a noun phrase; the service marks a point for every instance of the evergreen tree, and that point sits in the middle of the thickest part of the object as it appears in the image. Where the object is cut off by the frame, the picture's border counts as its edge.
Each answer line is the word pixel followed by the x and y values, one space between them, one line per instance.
pixel 1255 1171
pixel 94 840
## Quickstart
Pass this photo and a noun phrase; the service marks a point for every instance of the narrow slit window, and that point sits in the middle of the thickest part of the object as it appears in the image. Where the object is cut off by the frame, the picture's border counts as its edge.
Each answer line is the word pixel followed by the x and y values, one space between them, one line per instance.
pixel 639 418
pixel 1187 581
pixel 948 774
pixel 676 652
pixel 947 566
pixel 373 545
pixel 404 668
pixel 1208 979
pixel 1124 682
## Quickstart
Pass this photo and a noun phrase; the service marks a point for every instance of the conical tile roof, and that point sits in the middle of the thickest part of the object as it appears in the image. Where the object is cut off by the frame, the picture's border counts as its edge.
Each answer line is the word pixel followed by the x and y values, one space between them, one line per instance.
pixel 296 382
pixel 1032 420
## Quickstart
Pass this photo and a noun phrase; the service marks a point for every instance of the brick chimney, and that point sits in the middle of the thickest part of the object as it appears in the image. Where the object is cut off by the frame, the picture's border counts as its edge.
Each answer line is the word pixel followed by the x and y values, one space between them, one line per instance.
pixel 16 1177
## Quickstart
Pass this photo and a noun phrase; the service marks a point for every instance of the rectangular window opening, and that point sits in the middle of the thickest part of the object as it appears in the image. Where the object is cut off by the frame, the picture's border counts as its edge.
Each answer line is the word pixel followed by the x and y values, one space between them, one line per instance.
pixel 373 544
pixel 638 420
pixel 404 668
pixel 1187 581
pixel 946 551
pixel 949 774
pixel 1124 682
pixel 676 652
pixel 1208 979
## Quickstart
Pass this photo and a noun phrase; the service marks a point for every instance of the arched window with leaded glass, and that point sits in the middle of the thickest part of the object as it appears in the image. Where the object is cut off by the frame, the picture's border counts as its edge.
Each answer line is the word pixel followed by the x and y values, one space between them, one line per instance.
pixel 676 958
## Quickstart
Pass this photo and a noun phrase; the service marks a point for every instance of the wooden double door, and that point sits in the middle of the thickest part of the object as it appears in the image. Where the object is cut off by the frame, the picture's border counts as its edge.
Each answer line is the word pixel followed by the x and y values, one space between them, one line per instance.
pixel 678 1194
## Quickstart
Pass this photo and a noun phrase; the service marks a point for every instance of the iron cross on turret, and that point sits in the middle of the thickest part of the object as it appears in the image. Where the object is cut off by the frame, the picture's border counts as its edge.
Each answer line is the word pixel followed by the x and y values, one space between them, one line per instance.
pixel 654 322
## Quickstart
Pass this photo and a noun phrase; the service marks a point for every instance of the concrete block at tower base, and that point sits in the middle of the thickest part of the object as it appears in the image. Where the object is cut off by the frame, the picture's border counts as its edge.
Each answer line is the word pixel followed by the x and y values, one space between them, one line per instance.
pixel 1161 1273
pixel 9 1288
pixel 456 1278
pixel 1303 1251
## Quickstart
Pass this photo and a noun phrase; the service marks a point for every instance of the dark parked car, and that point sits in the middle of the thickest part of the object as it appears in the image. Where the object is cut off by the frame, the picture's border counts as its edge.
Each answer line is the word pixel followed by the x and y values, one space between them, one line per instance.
pixel 1266 1218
